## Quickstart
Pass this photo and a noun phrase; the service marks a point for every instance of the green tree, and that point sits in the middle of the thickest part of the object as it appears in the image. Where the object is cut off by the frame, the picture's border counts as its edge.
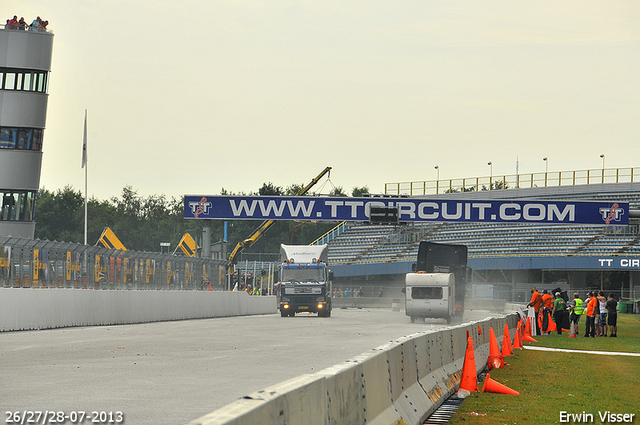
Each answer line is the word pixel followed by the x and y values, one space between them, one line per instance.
pixel 269 189
pixel 337 191
pixel 141 223
pixel 60 215
pixel 357 192
pixel 497 185
pixel 294 189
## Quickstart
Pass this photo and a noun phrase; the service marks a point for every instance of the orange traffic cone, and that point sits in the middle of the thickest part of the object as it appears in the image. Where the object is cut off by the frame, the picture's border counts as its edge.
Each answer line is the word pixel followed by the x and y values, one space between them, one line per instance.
pixel 495 359
pixel 495 387
pixel 572 334
pixel 527 333
pixel 507 348
pixel 469 381
pixel 517 340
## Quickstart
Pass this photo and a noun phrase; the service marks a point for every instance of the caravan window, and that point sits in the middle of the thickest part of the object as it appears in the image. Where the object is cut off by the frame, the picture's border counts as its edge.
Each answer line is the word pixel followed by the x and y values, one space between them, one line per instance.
pixel 427 293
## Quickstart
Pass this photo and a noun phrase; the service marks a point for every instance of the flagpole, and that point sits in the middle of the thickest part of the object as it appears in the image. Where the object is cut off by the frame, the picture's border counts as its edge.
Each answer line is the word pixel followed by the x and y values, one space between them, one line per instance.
pixel 85 204
pixel 85 166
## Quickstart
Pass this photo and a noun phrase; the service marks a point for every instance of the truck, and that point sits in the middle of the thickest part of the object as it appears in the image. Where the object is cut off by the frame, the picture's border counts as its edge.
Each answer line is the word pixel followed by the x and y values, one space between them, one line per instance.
pixel 305 281
pixel 436 286
pixel 264 226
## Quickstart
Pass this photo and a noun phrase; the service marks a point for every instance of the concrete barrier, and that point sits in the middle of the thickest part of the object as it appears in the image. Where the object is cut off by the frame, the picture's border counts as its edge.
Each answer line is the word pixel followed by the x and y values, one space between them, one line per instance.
pixel 399 383
pixel 25 309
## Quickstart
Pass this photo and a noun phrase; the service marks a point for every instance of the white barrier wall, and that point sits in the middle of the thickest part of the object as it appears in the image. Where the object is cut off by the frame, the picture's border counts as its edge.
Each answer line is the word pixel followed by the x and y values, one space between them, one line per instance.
pixel 399 383
pixel 23 309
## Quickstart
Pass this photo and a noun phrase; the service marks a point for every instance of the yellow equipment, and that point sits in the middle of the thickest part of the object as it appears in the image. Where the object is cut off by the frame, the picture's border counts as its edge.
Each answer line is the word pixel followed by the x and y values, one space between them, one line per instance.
pixel 108 239
pixel 260 230
pixel 188 245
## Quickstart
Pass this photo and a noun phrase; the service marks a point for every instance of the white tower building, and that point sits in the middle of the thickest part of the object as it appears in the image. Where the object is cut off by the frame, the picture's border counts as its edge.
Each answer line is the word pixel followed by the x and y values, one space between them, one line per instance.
pixel 25 62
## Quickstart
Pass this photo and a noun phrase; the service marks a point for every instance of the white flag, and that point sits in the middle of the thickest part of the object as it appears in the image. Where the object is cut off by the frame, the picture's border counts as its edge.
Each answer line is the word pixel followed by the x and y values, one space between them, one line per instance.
pixel 84 141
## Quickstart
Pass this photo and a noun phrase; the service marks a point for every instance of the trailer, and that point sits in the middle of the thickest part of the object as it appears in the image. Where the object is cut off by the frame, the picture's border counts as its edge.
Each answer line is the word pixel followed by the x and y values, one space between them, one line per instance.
pixel 436 287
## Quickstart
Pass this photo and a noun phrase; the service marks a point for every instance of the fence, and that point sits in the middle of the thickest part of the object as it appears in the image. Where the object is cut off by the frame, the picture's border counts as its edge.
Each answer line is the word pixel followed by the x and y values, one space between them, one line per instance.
pixel 32 263
pixel 545 179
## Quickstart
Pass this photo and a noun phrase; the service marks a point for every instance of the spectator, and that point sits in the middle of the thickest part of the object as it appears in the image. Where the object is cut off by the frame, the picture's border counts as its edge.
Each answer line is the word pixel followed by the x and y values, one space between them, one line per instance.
pixel 592 309
pixel 380 293
pixel 612 316
pixel 35 25
pixel 558 312
pixel 577 308
pixel 12 23
pixel 22 25
pixel 602 323
pixel 536 303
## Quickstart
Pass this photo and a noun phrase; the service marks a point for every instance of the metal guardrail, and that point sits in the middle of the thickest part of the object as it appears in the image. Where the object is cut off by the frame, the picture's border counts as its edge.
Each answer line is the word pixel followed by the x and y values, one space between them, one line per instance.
pixel 515 181
pixel 33 263
pixel 331 234
pixel 26 28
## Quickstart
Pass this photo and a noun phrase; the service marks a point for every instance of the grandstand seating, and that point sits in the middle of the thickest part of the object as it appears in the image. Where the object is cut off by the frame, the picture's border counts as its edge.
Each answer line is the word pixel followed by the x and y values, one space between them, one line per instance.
pixel 365 243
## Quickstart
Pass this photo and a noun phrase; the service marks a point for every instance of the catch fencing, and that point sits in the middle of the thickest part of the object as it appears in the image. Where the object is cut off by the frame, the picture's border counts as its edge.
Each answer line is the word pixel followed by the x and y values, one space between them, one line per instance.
pixel 33 263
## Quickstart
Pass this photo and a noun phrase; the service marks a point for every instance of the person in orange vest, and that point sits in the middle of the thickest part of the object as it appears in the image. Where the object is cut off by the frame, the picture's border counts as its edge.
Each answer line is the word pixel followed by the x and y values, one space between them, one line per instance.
pixel 536 303
pixel 545 313
pixel 592 310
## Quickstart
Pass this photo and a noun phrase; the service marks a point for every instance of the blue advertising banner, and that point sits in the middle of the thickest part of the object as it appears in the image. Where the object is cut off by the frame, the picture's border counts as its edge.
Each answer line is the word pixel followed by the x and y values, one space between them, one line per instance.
pixel 409 209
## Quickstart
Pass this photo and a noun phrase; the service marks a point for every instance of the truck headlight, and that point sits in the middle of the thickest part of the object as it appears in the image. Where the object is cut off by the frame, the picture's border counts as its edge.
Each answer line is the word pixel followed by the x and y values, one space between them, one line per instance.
pixel 320 306
pixel 286 306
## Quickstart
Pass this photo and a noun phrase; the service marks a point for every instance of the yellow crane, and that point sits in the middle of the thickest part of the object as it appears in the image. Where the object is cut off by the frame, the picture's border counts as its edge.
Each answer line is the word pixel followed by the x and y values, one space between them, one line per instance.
pixel 261 230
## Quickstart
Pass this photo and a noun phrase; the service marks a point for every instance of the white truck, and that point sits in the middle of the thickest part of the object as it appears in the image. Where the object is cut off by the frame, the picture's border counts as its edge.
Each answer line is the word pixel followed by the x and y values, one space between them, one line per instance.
pixel 436 287
pixel 305 280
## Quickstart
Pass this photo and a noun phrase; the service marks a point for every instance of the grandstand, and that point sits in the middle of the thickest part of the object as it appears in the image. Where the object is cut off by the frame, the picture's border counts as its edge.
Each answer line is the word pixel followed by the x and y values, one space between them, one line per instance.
pixel 365 243
pixel 364 251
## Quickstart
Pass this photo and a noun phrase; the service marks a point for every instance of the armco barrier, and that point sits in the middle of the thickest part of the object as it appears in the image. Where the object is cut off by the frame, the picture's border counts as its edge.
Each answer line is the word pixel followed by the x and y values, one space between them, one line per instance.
pixel 399 383
pixel 24 309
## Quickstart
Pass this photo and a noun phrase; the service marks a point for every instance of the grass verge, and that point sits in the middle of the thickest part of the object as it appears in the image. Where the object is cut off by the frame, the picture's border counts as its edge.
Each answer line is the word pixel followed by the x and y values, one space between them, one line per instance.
pixel 551 382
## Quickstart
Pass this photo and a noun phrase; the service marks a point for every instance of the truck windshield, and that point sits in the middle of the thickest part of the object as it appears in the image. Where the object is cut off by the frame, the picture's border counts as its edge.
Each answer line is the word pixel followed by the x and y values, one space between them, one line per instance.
pixel 303 275
pixel 426 293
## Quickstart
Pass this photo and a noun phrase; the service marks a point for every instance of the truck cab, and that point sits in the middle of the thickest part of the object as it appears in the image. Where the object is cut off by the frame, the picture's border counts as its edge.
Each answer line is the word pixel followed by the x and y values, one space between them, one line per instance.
pixel 305 281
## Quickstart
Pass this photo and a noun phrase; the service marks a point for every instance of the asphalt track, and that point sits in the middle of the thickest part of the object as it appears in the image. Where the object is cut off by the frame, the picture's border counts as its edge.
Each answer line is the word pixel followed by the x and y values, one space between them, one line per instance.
pixel 173 372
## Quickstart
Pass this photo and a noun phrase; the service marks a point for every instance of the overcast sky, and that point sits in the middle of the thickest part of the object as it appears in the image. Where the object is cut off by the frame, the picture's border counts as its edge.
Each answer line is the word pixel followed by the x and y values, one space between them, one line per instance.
pixel 194 96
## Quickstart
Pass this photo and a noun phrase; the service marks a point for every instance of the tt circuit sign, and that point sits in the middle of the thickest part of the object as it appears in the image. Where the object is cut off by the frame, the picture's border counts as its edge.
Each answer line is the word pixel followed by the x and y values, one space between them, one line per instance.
pixel 407 210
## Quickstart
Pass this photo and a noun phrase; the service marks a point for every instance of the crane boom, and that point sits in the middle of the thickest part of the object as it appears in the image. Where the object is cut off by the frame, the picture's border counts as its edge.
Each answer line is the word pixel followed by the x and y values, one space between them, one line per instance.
pixel 261 230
